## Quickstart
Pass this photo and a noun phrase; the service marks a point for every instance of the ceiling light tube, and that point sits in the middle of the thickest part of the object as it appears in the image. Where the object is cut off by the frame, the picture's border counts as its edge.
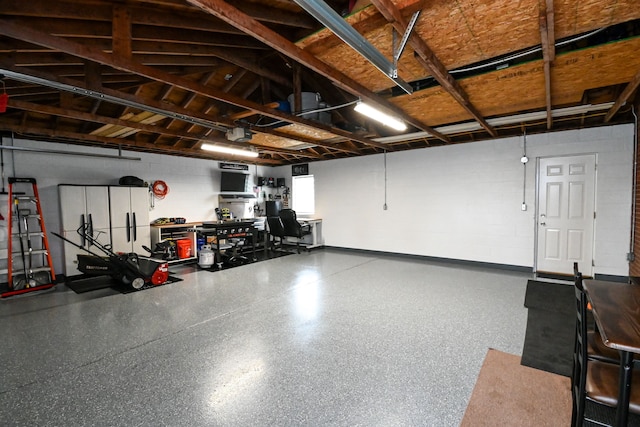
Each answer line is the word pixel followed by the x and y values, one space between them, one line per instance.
pixel 229 150
pixel 498 121
pixel 384 118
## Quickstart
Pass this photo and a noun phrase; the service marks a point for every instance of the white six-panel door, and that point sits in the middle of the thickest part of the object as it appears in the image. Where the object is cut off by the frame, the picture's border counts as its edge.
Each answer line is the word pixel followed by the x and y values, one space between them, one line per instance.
pixel 566 214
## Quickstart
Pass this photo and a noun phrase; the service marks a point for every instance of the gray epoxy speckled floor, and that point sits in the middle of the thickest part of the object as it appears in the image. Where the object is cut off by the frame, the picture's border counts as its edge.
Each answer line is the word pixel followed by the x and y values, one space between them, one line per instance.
pixel 327 338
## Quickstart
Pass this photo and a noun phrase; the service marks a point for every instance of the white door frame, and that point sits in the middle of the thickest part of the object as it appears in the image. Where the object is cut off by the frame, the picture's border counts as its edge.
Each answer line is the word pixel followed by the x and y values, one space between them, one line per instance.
pixel 586 269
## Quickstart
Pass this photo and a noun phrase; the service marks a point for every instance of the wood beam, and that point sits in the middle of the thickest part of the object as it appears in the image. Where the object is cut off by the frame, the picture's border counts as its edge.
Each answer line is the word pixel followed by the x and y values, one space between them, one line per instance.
pixel 548 42
pixel 190 98
pixel 93 75
pixel 247 24
pixel 551 32
pixel 297 88
pixel 101 12
pixel 152 129
pixel 10 29
pixel 78 115
pixel 83 139
pixel 546 58
pixel 425 56
pixel 172 110
pixel 121 31
pixel 624 97
pixel 235 79
pixel 329 145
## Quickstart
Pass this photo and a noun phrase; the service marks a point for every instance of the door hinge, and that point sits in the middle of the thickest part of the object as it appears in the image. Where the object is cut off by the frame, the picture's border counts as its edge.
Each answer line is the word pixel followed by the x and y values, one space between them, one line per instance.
pixel 631 256
pixel 593 263
pixel 594 215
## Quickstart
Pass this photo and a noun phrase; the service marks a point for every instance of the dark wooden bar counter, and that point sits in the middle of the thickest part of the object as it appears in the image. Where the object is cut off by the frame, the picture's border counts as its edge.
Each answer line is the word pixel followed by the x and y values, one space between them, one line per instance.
pixel 616 309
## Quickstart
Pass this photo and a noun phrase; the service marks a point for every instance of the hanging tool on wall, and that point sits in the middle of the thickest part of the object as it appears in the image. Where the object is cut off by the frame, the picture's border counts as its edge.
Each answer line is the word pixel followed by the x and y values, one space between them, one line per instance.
pixel 158 190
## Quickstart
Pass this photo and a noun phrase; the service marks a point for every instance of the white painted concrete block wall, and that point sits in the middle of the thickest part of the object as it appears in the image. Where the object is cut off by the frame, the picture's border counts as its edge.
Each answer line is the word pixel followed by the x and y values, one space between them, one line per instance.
pixel 464 201
pixel 459 201
pixel 194 184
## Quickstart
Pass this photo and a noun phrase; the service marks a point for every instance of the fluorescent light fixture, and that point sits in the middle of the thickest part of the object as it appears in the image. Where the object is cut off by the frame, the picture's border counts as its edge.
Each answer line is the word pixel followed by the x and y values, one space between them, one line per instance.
pixel 229 150
pixel 384 118
pixel 499 121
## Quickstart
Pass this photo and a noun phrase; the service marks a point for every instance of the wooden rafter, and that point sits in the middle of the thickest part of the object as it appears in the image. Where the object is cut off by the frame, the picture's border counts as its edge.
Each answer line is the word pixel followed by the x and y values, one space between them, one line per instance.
pixel 175 110
pixel 330 145
pixel 117 142
pixel 548 54
pixel 161 130
pixel 184 18
pixel 624 97
pixel 10 29
pixel 430 61
pixel 250 26
pixel 490 51
pixel 121 31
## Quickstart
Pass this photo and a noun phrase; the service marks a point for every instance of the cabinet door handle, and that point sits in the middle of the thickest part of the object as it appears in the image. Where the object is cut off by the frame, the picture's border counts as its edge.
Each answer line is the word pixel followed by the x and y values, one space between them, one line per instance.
pixel 82 239
pixel 134 228
pixel 128 228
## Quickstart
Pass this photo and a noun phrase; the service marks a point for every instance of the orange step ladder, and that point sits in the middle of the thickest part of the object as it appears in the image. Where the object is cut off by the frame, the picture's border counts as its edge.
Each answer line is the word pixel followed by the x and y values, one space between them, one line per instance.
pixel 29 263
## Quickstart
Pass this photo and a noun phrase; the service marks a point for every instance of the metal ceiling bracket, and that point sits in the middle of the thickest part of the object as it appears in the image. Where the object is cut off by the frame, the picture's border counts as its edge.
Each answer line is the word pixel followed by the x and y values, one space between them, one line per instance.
pixel 334 22
pixel 397 52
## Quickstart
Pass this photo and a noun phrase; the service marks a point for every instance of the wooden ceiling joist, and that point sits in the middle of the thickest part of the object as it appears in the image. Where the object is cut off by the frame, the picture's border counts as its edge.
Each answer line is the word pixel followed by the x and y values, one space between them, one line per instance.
pixel 83 139
pixel 626 94
pixel 430 61
pixel 250 26
pixel 34 36
pixel 548 54
pixel 172 110
pixel 152 129
pixel 329 145
pixel 163 76
pixel 183 18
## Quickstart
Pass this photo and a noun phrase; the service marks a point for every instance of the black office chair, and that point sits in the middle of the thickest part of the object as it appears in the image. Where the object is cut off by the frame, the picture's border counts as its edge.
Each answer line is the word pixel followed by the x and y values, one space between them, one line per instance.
pixel 292 228
pixel 276 232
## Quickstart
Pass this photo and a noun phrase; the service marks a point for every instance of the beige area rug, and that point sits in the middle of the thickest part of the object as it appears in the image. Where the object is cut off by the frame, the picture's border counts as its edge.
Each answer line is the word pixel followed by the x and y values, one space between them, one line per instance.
pixel 509 394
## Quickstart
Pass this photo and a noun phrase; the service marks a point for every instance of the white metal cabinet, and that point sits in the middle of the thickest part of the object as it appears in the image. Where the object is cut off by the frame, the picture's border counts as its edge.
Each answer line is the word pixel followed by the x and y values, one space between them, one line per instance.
pixel 129 209
pixel 83 205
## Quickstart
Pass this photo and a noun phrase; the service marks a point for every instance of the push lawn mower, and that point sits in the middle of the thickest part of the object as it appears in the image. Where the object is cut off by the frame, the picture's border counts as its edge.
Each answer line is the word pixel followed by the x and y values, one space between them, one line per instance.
pixel 129 268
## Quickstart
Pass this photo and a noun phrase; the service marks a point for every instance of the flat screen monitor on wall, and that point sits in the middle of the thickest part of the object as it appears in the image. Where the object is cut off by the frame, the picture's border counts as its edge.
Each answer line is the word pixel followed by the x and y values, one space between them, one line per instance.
pixel 233 182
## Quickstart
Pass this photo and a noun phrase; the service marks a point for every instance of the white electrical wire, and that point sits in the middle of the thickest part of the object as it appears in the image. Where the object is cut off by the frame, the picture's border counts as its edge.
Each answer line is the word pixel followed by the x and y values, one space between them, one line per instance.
pixel 524 167
pixel 384 207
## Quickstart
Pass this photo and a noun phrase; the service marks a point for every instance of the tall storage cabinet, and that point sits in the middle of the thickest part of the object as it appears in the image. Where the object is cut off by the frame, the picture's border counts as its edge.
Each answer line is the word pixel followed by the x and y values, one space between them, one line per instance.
pixel 129 208
pixel 80 205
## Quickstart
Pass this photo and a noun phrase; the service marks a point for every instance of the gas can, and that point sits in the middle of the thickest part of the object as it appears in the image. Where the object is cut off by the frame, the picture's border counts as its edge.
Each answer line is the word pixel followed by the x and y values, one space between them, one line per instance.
pixel 206 256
